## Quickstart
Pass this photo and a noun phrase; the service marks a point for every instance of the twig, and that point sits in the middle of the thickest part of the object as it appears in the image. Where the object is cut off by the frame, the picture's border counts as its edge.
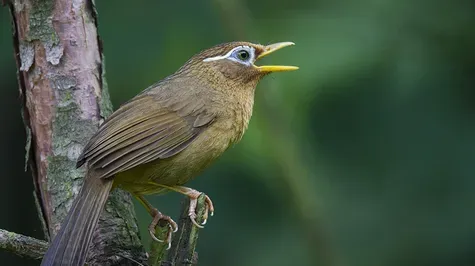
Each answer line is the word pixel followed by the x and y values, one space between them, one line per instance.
pixel 159 249
pixel 21 245
pixel 184 243
pixel 182 251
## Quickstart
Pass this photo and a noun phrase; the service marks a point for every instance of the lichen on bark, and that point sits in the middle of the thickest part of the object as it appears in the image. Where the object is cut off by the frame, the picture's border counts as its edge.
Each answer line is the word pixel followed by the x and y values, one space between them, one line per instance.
pixel 41 28
pixel 64 179
pixel 105 102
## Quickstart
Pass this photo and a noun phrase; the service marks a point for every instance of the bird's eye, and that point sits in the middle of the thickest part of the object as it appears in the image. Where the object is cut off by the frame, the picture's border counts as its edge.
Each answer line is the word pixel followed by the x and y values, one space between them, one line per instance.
pixel 242 55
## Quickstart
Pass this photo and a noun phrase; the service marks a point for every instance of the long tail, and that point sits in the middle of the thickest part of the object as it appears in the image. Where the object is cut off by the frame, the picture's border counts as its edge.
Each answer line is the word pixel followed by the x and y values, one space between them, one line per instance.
pixel 70 246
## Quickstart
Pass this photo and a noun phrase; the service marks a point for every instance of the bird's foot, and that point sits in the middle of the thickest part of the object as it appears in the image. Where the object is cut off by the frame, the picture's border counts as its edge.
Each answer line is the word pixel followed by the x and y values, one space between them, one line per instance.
pixel 194 194
pixel 172 226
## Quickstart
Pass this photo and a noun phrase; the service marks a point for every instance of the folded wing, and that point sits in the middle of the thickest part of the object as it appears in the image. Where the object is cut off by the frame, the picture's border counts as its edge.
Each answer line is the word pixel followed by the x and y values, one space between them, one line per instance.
pixel 141 131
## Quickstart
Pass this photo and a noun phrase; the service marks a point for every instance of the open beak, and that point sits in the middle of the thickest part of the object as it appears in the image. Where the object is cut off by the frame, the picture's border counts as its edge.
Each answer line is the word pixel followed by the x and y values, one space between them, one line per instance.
pixel 270 49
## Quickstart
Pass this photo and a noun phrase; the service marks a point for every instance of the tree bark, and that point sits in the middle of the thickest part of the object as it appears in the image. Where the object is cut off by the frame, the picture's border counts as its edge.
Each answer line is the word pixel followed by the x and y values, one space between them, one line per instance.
pixel 64 95
pixel 21 245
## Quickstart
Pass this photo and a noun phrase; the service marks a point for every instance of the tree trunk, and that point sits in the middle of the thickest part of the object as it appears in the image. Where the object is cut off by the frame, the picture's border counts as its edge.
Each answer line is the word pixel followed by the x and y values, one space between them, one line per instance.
pixel 65 97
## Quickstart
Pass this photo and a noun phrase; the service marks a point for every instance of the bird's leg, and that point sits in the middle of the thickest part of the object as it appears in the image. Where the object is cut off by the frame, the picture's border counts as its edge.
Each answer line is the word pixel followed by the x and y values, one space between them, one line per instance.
pixel 157 216
pixel 193 195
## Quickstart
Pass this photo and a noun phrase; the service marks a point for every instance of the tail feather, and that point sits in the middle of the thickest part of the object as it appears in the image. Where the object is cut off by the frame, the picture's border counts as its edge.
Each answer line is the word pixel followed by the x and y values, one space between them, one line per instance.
pixel 71 244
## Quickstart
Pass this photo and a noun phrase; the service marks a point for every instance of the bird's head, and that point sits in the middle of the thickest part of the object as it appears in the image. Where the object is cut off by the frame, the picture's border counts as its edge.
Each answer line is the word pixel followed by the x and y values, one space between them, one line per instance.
pixel 234 62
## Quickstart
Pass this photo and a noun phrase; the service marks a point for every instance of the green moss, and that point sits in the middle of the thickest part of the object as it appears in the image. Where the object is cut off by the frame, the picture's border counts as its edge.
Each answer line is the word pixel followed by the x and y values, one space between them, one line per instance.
pixel 105 102
pixel 68 96
pixel 11 235
pixel 41 28
pixel 70 134
pixel 28 143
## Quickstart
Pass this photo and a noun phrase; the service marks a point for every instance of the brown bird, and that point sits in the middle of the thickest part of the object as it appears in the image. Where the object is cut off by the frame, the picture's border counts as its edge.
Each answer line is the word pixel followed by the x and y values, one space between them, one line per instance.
pixel 163 137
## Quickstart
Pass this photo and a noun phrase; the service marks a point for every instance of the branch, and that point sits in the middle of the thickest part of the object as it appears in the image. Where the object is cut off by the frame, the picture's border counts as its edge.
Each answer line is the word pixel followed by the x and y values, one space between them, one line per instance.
pixel 182 251
pixel 158 250
pixel 21 245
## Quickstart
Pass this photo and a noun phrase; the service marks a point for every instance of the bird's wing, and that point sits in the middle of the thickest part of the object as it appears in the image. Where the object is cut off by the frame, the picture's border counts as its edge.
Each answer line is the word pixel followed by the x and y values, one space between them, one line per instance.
pixel 141 131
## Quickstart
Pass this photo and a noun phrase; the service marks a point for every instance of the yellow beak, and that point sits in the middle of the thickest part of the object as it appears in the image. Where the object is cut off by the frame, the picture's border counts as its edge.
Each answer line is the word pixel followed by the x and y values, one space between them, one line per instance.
pixel 270 49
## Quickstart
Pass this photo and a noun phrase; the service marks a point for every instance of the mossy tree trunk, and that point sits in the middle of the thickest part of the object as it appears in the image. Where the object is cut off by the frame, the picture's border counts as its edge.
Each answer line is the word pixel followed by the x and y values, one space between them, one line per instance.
pixel 64 95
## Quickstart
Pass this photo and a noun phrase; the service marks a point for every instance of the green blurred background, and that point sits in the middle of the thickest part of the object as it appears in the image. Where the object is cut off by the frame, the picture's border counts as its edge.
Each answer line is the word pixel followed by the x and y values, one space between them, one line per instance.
pixel 365 156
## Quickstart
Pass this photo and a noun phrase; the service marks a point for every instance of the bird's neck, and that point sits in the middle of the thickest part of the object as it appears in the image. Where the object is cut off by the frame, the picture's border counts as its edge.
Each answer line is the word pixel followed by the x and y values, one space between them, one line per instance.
pixel 242 115
pixel 231 101
pixel 236 105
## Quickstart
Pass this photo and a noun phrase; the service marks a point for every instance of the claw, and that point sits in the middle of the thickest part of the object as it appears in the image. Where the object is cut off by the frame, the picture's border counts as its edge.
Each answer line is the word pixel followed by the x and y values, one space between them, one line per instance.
pixel 209 206
pixel 172 226
pixel 169 237
pixel 205 215
pixel 193 196
pixel 192 210
pixel 193 220
pixel 152 234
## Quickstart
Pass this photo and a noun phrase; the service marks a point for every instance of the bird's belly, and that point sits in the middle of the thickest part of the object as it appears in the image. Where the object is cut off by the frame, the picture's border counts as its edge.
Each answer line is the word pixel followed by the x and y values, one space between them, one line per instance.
pixel 176 170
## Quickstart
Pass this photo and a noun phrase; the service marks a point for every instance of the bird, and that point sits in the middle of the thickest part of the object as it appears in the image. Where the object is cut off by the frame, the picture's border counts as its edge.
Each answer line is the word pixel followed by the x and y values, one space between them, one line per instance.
pixel 164 137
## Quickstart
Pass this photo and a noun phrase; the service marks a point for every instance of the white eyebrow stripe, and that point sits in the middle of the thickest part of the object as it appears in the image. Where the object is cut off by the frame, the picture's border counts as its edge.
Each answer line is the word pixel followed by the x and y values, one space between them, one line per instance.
pixel 209 59
pixel 215 58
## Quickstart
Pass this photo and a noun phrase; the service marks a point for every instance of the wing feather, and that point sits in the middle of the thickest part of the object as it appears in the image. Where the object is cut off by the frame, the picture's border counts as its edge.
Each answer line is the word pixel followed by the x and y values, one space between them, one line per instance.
pixel 127 134
pixel 141 131
pixel 140 156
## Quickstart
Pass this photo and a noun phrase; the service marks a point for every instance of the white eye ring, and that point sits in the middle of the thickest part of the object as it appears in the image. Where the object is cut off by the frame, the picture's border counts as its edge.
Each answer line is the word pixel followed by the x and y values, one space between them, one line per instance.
pixel 232 55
